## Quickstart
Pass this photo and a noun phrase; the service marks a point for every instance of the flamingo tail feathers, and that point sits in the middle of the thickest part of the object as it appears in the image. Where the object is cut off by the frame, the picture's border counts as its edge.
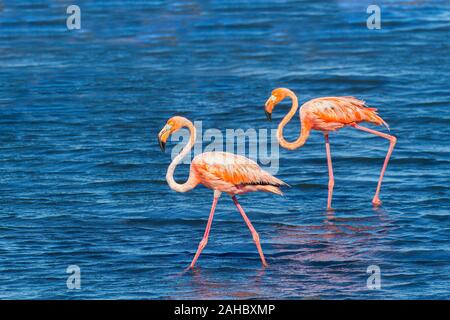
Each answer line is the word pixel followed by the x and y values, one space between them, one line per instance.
pixel 271 189
pixel 373 117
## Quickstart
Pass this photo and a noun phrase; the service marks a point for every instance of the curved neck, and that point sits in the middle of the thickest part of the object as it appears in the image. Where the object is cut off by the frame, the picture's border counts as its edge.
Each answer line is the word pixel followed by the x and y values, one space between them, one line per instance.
pixel 304 132
pixel 192 181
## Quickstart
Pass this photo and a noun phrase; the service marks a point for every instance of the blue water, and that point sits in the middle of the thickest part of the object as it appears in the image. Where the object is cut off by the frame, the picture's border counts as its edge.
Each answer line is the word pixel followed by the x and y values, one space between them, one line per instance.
pixel 82 177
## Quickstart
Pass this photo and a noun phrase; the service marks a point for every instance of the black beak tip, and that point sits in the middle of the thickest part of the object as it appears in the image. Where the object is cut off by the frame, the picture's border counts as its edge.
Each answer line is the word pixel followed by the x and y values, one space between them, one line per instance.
pixel 268 115
pixel 162 145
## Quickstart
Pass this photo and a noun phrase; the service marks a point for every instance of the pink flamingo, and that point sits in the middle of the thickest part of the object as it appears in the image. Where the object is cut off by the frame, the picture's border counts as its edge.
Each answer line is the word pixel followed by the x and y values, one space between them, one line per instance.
pixel 329 114
pixel 221 172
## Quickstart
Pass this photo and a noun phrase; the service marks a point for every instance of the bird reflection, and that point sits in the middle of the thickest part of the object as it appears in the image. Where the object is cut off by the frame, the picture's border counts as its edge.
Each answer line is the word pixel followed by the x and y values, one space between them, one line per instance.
pixel 332 254
pixel 329 253
pixel 204 285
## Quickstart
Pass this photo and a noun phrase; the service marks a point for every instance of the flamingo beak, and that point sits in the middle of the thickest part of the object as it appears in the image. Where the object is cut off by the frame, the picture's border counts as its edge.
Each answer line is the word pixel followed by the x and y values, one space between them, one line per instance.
pixel 270 104
pixel 162 137
pixel 162 145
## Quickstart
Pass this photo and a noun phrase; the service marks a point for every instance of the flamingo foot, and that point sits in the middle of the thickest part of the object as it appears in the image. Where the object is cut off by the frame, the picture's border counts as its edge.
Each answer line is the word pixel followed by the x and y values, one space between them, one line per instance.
pixel 330 209
pixel 376 201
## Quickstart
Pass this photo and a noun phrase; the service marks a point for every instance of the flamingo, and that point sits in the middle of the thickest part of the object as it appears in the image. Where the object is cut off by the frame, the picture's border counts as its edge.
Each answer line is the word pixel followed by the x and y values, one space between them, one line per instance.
pixel 221 172
pixel 329 114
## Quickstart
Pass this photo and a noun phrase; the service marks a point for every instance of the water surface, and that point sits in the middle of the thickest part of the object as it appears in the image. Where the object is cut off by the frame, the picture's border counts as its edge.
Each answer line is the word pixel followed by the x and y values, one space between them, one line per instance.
pixel 82 177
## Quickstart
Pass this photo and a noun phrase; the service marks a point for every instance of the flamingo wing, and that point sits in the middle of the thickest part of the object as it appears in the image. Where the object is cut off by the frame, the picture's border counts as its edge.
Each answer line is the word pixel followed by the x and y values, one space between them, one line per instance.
pixel 223 169
pixel 335 112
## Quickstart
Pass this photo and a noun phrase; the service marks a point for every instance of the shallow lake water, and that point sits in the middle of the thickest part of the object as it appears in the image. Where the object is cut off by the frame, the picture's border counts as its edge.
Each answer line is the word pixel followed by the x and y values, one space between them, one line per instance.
pixel 83 179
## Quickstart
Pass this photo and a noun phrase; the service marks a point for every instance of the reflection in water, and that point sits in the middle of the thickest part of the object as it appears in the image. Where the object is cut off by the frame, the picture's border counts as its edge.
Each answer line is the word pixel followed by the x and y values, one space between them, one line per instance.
pixel 202 284
pixel 204 288
pixel 306 261
pixel 326 256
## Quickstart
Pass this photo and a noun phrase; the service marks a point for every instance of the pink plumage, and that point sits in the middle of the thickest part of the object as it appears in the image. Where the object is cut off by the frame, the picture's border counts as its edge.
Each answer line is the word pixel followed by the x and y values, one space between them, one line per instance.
pixel 329 114
pixel 233 174
pixel 332 113
pixel 221 172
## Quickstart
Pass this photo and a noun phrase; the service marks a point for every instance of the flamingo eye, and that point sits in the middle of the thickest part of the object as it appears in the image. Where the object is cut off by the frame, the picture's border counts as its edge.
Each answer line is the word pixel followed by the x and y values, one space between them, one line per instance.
pixel 170 125
pixel 273 98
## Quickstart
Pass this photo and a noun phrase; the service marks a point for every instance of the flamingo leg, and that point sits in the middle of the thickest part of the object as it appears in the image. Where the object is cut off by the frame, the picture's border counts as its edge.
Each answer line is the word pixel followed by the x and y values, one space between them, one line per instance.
pixel 330 172
pixel 204 241
pixel 252 230
pixel 376 198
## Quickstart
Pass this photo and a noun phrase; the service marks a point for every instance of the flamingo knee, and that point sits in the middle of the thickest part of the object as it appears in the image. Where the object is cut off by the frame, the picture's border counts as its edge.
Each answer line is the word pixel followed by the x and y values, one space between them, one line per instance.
pixel 256 237
pixel 203 243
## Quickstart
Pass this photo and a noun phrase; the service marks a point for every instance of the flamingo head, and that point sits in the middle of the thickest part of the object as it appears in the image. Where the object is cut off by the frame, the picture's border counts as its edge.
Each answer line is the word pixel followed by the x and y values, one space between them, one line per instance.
pixel 172 125
pixel 277 96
